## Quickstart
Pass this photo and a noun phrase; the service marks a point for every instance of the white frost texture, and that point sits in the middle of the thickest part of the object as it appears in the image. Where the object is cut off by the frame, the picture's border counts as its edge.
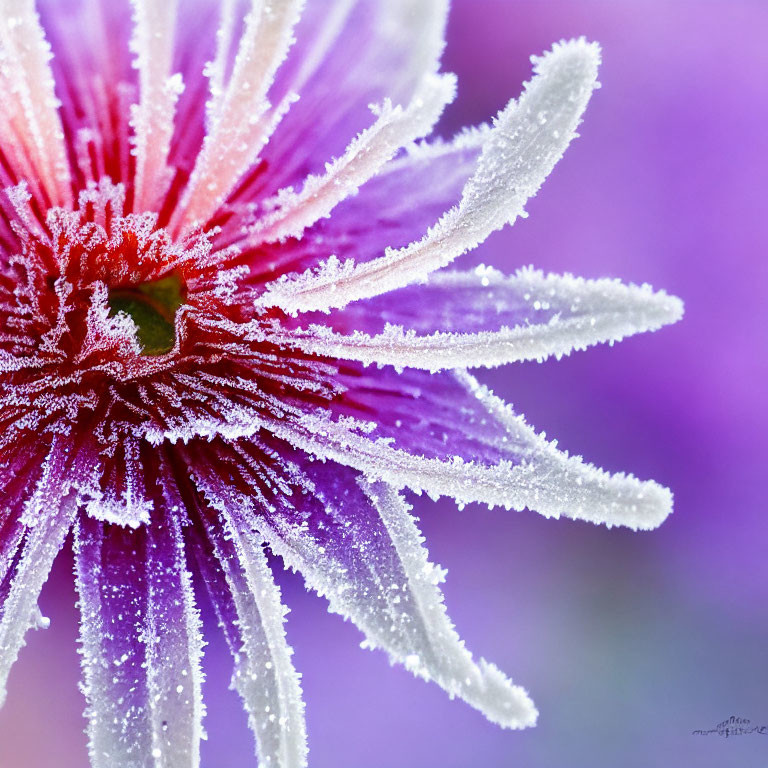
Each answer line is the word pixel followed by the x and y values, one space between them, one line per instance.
pixel 538 316
pixel 527 139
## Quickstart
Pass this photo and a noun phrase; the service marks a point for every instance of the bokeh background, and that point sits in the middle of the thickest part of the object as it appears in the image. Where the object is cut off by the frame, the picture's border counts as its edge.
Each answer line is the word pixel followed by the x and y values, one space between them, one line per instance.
pixel 628 642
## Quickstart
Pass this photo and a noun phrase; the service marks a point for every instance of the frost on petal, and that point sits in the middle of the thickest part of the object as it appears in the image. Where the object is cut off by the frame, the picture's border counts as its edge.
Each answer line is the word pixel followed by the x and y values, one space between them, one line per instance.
pixel 29 105
pixel 11 539
pixel 33 561
pixel 392 44
pixel 500 462
pixel 390 210
pixel 440 653
pixel 217 69
pixel 555 483
pixel 174 642
pixel 140 644
pixel 356 544
pixel 247 602
pixel 152 117
pixel 293 211
pixel 95 78
pixel 484 318
pixel 115 491
pixel 237 131
pixel 19 476
pixel 48 515
pixel 527 139
pixel 92 66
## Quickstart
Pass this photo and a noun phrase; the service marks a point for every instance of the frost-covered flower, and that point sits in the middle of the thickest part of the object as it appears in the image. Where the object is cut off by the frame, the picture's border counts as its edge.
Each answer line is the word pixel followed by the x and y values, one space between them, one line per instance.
pixel 227 326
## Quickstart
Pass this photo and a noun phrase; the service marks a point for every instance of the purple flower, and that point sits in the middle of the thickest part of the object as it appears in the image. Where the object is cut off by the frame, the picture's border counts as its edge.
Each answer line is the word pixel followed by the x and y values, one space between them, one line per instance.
pixel 227 326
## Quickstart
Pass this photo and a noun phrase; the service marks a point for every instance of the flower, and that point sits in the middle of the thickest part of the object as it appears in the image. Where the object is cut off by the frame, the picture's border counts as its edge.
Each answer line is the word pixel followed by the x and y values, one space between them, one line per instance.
pixel 227 327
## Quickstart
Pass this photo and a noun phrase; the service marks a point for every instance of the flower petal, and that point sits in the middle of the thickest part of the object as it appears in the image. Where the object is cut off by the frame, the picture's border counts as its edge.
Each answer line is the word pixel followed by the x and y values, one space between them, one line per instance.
pixel 292 212
pixel 33 561
pixel 92 66
pixel 501 461
pixel 357 545
pixel 487 319
pixel 390 210
pixel 249 609
pixel 141 645
pixel 48 516
pixel 11 540
pixel 237 132
pixel 152 118
pixel 216 69
pixel 18 479
pixel 528 138
pixel 114 491
pixel 444 657
pixel 29 118
pixel 393 44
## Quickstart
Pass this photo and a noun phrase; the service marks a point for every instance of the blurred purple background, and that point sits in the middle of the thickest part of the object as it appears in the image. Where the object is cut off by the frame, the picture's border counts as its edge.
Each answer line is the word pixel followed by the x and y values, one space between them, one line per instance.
pixel 628 642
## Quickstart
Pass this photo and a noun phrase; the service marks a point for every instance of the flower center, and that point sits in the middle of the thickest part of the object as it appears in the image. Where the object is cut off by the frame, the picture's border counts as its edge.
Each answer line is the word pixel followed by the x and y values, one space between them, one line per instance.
pixel 152 306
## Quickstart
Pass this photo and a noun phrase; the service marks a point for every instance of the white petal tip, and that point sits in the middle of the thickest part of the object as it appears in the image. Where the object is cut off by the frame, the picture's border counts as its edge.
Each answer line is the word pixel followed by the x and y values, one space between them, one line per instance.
pixel 645 309
pixel 575 52
pixel 506 704
pixel 654 506
pixel 623 500
pixel 629 503
pixel 672 308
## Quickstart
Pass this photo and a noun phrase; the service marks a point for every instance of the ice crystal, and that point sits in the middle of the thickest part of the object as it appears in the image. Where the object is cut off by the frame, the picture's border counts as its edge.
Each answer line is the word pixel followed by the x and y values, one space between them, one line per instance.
pixel 225 325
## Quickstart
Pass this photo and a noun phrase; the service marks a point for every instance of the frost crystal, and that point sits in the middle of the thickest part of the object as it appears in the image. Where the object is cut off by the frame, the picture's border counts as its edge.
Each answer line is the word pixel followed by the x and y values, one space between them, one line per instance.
pixel 225 326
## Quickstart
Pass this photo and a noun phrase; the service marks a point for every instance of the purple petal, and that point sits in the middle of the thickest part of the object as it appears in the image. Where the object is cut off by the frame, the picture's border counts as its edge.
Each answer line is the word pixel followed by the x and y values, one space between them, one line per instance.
pixel 392 43
pixel 357 545
pixel 94 80
pixel 141 645
pixel 291 212
pixel 48 515
pixel 248 606
pixel 528 138
pixel 483 318
pixel 416 443
pixel 393 209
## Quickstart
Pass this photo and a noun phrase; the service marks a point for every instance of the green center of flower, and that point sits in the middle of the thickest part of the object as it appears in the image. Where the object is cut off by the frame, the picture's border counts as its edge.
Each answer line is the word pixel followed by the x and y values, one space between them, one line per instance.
pixel 152 307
